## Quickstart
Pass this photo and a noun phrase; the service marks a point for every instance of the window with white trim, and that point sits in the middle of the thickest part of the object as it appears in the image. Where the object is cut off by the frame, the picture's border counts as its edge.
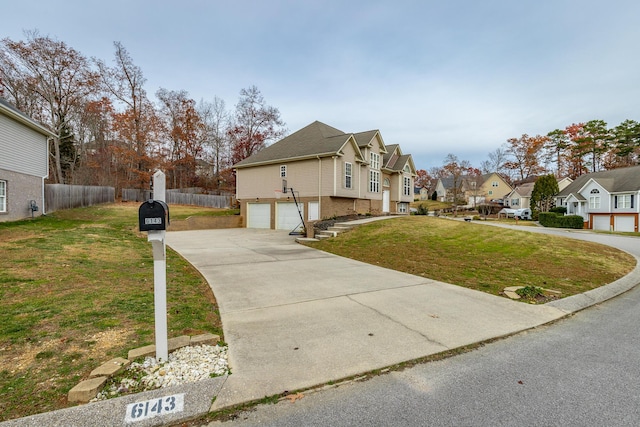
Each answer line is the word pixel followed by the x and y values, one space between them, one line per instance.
pixel 375 161
pixel 283 171
pixel 594 201
pixel 624 201
pixel 407 186
pixel 3 196
pixel 402 207
pixel 347 174
pixel 494 183
pixel 374 181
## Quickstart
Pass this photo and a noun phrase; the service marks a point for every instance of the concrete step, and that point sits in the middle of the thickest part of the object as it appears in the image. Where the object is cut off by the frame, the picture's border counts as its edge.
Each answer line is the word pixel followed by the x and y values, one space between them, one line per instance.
pixel 338 228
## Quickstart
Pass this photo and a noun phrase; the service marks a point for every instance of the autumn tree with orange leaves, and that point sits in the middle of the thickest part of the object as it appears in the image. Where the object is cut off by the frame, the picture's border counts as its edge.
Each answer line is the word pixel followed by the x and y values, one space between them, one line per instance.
pixel 526 153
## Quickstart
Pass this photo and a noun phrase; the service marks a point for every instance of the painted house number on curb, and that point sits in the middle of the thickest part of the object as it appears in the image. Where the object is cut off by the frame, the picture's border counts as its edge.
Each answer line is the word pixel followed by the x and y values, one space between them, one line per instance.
pixel 155 407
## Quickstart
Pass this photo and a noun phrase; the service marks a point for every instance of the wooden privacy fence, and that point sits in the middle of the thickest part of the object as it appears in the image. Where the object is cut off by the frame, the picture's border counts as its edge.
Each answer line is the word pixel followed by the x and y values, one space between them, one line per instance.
pixel 61 196
pixel 177 198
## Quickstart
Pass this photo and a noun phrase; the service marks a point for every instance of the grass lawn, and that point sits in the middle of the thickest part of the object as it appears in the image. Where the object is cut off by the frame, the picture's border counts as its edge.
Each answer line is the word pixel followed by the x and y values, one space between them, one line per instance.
pixel 76 289
pixel 481 257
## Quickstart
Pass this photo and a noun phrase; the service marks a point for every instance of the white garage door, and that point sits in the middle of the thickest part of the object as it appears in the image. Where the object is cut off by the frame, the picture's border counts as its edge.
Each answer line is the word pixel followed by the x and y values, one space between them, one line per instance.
pixel 288 217
pixel 258 215
pixel 624 223
pixel 601 222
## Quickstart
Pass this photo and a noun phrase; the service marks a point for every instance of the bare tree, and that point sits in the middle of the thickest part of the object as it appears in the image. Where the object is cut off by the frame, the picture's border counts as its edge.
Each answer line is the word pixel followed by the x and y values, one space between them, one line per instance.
pixel 50 81
pixel 215 119
pixel 255 125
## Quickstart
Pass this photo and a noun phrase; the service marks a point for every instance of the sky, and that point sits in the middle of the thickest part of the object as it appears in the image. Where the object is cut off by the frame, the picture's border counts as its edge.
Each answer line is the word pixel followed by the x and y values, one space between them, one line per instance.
pixel 437 77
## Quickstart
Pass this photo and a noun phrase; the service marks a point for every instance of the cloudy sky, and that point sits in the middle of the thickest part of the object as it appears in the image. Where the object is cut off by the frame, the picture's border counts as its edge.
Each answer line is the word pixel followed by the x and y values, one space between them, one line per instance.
pixel 436 77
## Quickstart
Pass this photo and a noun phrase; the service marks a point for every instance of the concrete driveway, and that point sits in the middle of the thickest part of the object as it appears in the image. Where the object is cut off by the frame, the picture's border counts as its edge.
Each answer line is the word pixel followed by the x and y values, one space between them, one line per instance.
pixel 295 317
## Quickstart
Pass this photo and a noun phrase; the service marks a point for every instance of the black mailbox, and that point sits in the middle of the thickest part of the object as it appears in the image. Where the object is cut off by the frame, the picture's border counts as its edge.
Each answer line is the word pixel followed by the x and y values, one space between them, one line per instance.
pixel 153 215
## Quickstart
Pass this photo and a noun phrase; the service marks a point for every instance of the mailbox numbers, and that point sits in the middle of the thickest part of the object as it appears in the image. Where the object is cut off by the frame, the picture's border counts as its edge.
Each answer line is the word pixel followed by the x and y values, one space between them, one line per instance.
pixel 152 408
pixel 153 221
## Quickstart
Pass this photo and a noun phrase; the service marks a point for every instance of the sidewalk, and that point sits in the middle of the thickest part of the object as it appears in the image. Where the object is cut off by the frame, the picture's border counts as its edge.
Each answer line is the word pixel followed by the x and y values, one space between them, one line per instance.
pixel 296 318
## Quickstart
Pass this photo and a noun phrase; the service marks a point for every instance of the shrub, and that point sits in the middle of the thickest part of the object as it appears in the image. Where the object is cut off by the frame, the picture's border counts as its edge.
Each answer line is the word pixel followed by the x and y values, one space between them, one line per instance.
pixel 551 219
pixel 530 292
pixel 559 210
pixel 422 210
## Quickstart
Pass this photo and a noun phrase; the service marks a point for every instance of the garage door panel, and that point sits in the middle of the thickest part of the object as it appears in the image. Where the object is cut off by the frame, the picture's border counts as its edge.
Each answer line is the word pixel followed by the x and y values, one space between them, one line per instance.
pixel 625 223
pixel 288 217
pixel 258 215
pixel 601 222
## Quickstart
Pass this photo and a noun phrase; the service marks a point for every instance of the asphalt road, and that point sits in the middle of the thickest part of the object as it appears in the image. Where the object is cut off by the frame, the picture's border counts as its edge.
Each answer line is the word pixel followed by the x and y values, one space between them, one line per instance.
pixel 581 371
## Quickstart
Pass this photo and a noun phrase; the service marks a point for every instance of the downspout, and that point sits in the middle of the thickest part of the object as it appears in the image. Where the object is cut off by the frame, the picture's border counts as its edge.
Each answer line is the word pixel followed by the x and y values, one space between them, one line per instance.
pixel 319 187
pixel 335 181
pixel 44 207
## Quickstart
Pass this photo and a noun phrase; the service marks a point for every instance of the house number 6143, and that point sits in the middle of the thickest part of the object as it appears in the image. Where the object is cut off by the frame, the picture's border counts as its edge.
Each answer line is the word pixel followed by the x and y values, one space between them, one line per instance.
pixel 155 407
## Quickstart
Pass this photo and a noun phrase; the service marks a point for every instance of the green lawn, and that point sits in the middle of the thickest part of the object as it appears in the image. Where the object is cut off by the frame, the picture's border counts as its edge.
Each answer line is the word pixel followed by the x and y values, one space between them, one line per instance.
pixel 480 257
pixel 76 289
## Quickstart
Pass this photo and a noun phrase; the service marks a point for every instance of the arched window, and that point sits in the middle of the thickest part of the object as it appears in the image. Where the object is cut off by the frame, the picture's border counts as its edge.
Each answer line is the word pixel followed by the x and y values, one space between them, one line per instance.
pixel 595 191
pixel 386 182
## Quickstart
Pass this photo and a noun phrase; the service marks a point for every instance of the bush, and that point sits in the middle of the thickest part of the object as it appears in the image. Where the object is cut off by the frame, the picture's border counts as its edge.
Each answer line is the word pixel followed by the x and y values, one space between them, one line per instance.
pixel 559 210
pixel 551 219
pixel 422 210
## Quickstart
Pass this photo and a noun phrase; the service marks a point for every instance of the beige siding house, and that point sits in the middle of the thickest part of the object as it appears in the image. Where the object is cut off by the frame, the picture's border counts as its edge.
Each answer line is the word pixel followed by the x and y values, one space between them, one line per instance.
pixel 328 173
pixel 23 164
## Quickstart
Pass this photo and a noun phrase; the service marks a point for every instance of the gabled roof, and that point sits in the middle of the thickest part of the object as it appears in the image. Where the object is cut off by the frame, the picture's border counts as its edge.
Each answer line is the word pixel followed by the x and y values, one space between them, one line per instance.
pixel 524 190
pixel 11 111
pixel 613 181
pixel 316 139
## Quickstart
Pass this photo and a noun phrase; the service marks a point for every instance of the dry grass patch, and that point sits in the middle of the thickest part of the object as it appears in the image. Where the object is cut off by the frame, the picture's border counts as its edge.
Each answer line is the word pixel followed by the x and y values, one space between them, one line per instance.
pixel 482 258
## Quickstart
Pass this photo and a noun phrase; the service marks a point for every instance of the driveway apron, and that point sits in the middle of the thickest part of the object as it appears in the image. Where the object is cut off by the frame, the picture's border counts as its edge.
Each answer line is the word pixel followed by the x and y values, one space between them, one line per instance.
pixel 295 317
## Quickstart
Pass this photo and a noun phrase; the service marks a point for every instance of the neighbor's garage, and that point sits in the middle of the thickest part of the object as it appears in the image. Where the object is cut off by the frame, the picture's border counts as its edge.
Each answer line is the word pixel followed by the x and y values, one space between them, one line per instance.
pixel 258 215
pixel 287 216
pixel 624 223
pixel 601 222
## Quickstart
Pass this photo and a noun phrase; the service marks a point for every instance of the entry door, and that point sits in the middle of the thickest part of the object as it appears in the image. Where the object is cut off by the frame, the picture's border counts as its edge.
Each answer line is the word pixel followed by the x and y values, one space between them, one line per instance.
pixel 314 211
pixel 385 201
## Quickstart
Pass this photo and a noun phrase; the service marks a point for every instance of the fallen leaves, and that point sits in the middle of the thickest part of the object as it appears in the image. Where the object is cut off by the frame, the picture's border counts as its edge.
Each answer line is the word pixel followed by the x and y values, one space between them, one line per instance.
pixel 293 397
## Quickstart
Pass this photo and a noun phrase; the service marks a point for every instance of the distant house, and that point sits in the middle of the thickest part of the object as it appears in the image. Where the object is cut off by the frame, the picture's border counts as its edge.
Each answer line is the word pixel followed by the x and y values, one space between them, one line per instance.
pixel 328 173
pixel 519 197
pixel 473 190
pixel 607 200
pixel 24 163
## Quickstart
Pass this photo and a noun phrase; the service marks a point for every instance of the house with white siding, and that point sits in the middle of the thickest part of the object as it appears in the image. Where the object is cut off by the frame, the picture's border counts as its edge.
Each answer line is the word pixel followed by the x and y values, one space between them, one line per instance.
pixel 327 173
pixel 607 200
pixel 24 163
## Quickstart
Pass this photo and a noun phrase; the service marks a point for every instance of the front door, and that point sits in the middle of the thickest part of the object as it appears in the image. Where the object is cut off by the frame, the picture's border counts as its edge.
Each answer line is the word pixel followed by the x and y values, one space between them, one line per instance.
pixel 385 201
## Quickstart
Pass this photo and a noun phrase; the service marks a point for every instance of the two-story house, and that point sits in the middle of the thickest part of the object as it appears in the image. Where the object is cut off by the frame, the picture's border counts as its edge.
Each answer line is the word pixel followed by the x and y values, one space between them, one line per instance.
pixel 607 200
pixel 327 173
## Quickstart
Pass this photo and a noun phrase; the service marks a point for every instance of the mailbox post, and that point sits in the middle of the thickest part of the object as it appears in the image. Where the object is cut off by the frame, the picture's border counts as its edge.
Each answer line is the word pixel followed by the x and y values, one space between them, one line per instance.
pixel 153 217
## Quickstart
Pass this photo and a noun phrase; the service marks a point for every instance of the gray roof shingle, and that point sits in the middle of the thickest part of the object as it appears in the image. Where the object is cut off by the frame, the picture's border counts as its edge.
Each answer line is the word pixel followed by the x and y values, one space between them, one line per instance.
pixel 316 139
pixel 614 181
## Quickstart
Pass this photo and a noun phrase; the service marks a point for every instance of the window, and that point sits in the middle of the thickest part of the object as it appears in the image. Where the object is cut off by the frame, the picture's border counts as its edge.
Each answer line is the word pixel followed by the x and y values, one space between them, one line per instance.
pixel 3 196
pixel 515 202
pixel 347 175
pixel 407 186
pixel 594 202
pixel 494 183
pixel 374 181
pixel 624 201
pixel 386 182
pixel 283 171
pixel 402 207
pixel 375 161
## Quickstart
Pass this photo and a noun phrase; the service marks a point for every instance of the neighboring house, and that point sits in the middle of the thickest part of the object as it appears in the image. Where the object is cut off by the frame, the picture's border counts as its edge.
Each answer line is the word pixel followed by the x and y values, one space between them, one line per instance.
pixel 473 190
pixel 331 173
pixel 607 200
pixel 421 193
pixel 24 163
pixel 520 197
